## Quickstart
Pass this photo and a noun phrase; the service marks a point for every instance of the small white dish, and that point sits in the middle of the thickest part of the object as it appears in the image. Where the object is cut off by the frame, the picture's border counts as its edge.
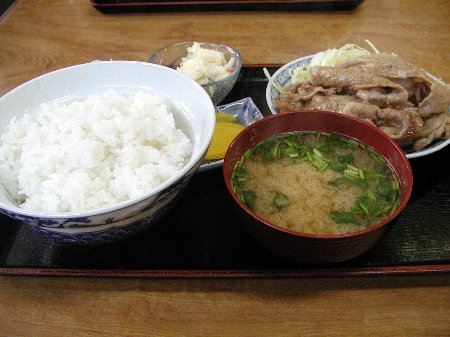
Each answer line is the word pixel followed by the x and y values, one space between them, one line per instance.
pixel 246 112
pixel 282 77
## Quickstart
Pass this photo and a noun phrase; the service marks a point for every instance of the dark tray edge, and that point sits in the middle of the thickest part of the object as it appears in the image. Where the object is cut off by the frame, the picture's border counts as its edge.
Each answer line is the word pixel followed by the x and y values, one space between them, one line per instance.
pixel 184 274
pixel 140 6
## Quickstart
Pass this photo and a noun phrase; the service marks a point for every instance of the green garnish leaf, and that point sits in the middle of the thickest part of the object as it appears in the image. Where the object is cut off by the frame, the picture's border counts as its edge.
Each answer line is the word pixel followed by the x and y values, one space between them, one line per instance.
pixel 370 195
pixel 322 147
pixel 343 217
pixel 337 166
pixel 362 183
pixel 248 198
pixel 384 188
pixel 346 159
pixel 334 139
pixel 280 200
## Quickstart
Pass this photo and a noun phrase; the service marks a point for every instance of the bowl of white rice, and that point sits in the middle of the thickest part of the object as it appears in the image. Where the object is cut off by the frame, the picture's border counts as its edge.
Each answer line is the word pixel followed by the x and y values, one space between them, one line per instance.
pixel 97 152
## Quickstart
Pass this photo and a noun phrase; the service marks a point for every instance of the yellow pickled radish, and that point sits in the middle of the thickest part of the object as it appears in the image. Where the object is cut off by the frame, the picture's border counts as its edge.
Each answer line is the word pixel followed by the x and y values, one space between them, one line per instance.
pixel 222 138
pixel 222 117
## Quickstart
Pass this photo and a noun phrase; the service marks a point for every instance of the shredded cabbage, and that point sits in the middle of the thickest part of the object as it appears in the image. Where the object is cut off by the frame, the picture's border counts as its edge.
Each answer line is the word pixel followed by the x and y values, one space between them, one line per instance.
pixel 271 81
pixel 329 57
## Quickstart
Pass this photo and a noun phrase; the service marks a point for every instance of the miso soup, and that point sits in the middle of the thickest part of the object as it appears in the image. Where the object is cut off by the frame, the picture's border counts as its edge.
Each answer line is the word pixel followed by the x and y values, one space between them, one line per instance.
pixel 316 183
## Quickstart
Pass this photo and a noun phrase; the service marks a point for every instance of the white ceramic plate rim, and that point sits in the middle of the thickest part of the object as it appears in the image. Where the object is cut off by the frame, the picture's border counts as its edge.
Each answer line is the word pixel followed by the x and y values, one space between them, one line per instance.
pixel 271 93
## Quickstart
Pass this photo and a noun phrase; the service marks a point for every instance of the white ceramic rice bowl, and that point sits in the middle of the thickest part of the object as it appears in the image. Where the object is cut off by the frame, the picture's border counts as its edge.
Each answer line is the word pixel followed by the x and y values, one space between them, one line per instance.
pixel 195 115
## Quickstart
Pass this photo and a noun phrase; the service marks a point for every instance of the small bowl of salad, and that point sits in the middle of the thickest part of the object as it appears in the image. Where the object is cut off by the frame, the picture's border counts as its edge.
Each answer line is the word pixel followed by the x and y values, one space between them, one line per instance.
pixel 214 66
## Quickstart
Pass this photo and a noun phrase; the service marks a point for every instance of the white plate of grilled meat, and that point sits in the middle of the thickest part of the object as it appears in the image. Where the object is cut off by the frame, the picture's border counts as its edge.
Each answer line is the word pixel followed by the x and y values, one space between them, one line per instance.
pixel 399 98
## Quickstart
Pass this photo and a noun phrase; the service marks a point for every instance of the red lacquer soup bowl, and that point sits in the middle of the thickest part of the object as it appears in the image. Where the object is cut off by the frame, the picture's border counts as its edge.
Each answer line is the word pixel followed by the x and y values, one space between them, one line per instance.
pixel 314 248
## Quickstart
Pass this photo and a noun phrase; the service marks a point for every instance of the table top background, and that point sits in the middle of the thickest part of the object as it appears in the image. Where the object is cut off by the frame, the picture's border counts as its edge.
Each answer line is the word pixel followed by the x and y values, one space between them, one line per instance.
pixel 40 36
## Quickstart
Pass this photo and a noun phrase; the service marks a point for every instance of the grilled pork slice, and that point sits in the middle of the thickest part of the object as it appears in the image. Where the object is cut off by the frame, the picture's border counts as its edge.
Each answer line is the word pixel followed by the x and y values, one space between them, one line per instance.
pixel 386 65
pixel 436 102
pixel 369 87
pixel 435 127
pixel 382 89
pixel 422 88
pixel 403 125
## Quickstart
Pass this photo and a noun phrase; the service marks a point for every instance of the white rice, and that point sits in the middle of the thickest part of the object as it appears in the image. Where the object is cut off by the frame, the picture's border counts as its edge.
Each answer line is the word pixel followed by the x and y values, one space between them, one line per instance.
pixel 89 154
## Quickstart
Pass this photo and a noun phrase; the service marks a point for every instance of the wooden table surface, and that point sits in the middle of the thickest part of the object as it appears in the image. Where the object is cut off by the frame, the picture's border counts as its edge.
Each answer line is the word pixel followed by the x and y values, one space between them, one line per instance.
pixel 39 36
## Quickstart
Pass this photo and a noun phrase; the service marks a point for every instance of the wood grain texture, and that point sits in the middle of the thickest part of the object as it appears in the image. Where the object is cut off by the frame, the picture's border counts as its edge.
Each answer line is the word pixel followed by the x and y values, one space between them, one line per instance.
pixel 38 36
pixel 386 306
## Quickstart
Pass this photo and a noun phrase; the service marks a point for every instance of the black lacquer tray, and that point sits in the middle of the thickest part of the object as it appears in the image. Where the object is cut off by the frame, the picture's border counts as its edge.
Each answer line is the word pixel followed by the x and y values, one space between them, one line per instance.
pixel 137 6
pixel 202 237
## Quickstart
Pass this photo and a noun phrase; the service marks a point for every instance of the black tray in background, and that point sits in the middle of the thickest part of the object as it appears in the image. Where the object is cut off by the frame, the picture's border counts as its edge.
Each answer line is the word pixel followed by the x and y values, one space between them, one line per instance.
pixel 5 6
pixel 201 236
pixel 139 6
